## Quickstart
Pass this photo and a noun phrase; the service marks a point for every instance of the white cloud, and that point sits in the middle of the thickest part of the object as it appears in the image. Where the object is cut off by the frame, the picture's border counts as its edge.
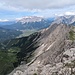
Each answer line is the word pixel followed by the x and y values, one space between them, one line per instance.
pixel 3 20
pixel 69 13
pixel 35 4
pixel 65 13
pixel 46 8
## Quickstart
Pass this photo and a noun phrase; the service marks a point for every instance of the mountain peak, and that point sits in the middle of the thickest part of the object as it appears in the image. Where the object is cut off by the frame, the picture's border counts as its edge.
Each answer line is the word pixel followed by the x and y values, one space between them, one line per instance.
pixel 66 19
pixel 27 19
pixel 47 47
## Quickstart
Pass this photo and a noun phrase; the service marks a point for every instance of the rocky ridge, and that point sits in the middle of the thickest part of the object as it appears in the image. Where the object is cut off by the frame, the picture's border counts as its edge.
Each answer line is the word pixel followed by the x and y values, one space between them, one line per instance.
pixel 55 54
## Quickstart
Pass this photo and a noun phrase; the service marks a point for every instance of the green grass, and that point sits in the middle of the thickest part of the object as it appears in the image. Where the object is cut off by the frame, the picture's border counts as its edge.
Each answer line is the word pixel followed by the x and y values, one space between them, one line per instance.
pixel 7 58
pixel 5 63
pixel 72 35
pixel 27 32
pixel 14 50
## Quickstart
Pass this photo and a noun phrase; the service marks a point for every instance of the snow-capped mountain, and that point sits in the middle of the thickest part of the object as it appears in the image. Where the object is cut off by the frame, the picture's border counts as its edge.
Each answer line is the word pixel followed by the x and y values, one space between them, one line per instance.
pixel 66 19
pixel 29 19
pixel 30 22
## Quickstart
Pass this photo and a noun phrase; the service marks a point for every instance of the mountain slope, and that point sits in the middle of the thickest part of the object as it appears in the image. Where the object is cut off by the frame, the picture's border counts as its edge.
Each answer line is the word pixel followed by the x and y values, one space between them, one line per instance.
pixel 66 19
pixel 6 34
pixel 15 51
pixel 47 51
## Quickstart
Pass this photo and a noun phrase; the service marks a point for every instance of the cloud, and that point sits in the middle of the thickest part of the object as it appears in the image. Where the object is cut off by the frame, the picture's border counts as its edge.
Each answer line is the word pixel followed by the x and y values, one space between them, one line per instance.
pixel 35 4
pixel 65 13
pixel 69 13
pixel 3 20
pixel 47 8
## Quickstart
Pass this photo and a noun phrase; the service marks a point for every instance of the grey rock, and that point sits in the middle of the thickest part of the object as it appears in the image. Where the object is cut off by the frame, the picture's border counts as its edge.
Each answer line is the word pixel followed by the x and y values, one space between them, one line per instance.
pixel 49 58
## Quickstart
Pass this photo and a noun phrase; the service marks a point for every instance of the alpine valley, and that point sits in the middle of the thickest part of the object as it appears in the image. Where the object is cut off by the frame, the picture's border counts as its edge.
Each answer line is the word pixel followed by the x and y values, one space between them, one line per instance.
pixel 48 50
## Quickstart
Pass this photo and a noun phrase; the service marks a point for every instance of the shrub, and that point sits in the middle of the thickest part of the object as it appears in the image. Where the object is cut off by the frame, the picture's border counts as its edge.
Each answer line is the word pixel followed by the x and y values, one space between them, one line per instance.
pixel 34 74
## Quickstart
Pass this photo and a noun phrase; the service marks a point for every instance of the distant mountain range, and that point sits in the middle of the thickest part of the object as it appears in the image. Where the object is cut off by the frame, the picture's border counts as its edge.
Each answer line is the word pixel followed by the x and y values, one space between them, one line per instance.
pixel 31 24
pixel 30 19
pixel 50 51
pixel 28 23
pixel 24 26
pixel 66 19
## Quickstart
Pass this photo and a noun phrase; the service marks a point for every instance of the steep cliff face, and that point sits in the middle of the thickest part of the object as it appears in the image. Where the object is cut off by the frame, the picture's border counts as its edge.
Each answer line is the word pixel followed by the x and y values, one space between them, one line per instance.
pixel 52 42
pixel 49 52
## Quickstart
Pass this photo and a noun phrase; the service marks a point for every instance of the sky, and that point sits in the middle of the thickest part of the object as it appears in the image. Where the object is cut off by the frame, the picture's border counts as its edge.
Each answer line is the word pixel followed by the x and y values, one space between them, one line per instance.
pixel 12 9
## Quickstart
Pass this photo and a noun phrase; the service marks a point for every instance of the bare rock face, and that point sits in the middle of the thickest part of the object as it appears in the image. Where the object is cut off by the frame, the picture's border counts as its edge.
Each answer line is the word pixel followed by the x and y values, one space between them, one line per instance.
pixel 66 19
pixel 49 56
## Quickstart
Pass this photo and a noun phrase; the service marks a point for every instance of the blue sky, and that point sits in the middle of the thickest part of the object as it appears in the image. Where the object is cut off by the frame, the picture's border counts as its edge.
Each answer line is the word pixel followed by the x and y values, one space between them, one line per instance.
pixel 7 14
pixel 12 9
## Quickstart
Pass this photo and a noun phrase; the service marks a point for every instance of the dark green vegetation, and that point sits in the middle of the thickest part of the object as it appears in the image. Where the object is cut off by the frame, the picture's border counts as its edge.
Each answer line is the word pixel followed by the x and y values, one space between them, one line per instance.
pixel 7 58
pixel 6 34
pixel 34 74
pixel 72 35
pixel 14 52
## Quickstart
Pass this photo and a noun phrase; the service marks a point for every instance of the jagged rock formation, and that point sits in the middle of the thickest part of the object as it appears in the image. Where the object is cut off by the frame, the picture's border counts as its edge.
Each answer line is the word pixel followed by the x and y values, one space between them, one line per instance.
pixel 55 53
pixel 66 19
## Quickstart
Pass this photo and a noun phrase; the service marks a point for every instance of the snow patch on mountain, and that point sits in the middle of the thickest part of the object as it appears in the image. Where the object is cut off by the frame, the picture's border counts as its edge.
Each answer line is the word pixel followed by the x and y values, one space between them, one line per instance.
pixel 27 19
